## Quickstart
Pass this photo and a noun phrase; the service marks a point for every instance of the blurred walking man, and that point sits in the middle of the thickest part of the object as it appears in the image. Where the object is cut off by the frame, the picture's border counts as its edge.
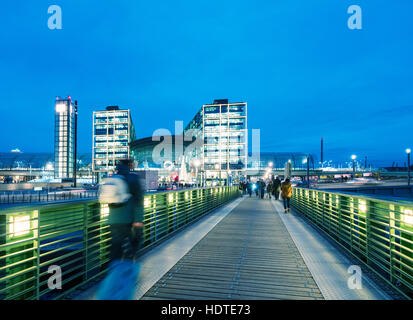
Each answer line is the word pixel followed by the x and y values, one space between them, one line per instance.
pixel 124 195
pixel 126 219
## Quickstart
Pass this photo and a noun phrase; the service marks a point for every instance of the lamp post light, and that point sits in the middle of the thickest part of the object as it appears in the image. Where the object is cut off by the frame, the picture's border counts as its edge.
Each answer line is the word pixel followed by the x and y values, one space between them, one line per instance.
pixel 408 151
pixel 289 169
pixel 308 171
pixel 353 157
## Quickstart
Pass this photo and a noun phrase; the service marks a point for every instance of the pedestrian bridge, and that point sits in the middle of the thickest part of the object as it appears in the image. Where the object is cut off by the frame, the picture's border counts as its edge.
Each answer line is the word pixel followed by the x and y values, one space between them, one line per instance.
pixel 213 244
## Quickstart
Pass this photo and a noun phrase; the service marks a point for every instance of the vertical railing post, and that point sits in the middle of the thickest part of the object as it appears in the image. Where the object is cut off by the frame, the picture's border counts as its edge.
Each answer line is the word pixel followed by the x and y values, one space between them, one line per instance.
pixel 324 197
pixel 392 233
pixel 37 215
pixel 158 200
pixel 18 248
pixel 351 223
pixel 85 241
pixel 328 213
pixel 339 206
pixel 368 230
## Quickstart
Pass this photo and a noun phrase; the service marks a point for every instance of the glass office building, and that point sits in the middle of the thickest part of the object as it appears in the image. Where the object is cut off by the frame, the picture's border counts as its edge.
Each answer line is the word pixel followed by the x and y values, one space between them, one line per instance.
pixel 223 127
pixel 113 130
pixel 64 148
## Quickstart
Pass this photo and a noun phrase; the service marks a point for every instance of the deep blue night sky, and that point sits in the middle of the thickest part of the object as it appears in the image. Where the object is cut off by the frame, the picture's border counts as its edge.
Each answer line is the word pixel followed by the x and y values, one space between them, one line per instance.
pixel 304 74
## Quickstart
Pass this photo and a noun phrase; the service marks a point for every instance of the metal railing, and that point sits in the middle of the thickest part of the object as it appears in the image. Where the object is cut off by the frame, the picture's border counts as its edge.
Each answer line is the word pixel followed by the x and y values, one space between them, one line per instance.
pixel 377 232
pixel 39 241
pixel 18 197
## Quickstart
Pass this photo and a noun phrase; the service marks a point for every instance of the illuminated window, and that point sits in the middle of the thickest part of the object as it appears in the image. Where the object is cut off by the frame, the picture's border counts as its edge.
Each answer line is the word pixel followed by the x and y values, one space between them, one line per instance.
pixel 61 107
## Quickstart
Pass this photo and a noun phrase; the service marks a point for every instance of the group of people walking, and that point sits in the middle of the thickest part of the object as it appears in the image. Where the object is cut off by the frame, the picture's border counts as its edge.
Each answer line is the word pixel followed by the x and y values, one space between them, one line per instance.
pixel 274 188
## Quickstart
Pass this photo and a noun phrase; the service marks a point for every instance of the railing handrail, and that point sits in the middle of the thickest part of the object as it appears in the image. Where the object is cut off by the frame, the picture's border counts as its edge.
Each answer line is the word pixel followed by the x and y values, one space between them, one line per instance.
pixel 23 205
pixel 357 195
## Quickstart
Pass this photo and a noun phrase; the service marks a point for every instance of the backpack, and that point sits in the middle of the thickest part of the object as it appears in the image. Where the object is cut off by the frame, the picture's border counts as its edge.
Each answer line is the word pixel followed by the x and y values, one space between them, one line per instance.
pixel 114 190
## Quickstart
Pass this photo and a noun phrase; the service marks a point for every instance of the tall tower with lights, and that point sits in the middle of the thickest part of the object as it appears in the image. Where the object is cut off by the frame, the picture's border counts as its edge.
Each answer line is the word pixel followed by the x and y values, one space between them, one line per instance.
pixel 65 138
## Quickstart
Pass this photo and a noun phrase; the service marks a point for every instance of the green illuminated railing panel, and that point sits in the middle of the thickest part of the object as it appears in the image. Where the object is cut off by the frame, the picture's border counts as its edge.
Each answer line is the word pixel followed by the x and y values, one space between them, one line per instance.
pixel 377 232
pixel 75 237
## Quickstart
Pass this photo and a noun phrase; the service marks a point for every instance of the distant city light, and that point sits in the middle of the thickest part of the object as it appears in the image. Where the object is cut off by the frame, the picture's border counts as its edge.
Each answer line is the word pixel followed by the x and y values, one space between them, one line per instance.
pixel 197 163
pixel 353 157
pixel 49 166
pixel 270 164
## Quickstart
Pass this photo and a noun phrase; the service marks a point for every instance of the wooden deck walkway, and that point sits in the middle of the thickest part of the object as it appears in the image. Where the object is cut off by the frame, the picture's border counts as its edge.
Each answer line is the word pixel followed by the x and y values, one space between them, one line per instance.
pixel 248 255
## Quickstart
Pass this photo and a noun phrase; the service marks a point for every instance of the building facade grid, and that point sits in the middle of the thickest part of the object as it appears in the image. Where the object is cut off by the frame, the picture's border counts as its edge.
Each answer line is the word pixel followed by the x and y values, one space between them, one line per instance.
pixel 113 130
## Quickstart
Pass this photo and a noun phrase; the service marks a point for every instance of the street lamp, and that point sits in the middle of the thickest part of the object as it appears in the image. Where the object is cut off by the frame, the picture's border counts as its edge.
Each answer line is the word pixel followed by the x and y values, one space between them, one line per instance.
pixel 308 171
pixel 354 163
pixel 408 151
